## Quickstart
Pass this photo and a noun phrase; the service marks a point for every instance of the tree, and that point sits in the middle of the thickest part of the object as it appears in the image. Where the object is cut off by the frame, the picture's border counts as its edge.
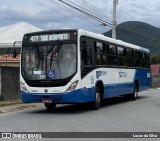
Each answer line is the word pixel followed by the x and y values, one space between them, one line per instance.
pixel 155 59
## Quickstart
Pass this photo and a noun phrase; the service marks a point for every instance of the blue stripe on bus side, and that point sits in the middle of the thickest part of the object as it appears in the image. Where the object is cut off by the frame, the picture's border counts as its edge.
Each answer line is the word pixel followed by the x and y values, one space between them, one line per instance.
pixel 117 89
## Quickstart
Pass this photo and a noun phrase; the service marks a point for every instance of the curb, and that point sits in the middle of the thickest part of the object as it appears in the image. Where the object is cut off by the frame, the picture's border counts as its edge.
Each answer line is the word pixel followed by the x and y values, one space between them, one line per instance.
pixel 16 105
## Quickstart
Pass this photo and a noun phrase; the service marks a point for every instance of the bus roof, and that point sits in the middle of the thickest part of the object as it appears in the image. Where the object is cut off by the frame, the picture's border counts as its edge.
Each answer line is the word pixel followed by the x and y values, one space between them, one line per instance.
pixel 97 36
pixel 111 40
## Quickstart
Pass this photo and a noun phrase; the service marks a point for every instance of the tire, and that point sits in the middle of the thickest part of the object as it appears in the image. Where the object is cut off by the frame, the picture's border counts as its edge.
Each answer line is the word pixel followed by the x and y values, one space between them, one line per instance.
pixel 132 96
pixel 50 106
pixel 97 103
pixel 135 93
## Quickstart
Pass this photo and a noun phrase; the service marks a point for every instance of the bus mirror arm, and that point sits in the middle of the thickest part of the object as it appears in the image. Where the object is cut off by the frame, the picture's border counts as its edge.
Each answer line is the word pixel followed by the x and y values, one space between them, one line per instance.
pixel 14 53
pixel 14 49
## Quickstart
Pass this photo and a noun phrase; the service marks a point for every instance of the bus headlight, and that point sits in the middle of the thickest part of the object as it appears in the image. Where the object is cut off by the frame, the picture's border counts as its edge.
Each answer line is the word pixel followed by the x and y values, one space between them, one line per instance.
pixel 23 88
pixel 72 86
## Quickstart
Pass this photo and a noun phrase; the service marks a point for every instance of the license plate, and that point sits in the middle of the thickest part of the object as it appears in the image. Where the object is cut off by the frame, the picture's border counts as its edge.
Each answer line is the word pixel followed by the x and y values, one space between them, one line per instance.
pixel 46 101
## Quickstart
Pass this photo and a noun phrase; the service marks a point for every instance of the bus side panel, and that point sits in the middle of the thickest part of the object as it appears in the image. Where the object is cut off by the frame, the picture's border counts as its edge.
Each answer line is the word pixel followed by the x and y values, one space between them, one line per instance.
pixel 122 88
pixel 119 82
pixel 116 81
pixel 144 78
pixel 118 89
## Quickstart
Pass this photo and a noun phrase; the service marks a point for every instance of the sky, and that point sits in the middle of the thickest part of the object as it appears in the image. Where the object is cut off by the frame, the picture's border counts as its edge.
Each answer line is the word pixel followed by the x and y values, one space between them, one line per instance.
pixel 46 14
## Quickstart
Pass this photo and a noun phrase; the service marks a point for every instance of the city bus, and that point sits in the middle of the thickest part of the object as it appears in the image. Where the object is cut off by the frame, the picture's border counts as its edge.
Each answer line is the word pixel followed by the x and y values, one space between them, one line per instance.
pixel 71 66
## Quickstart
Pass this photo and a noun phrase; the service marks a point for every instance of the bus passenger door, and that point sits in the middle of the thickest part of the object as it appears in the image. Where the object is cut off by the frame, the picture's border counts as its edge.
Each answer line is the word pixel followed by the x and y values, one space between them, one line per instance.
pixel 86 68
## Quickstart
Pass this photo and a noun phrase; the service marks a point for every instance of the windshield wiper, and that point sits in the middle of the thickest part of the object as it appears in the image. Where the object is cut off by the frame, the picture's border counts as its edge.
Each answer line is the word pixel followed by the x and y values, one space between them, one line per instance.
pixel 40 57
pixel 54 55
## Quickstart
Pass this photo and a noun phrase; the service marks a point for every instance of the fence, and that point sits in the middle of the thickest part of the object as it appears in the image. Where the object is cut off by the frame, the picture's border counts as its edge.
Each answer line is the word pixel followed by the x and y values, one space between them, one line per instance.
pixel 9 83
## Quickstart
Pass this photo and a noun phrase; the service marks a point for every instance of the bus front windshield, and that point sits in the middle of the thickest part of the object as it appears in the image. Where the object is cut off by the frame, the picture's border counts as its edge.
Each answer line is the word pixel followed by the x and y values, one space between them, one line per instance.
pixel 49 62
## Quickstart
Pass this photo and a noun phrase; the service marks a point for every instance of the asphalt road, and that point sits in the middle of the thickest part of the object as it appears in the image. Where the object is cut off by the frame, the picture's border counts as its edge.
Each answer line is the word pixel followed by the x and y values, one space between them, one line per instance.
pixel 115 115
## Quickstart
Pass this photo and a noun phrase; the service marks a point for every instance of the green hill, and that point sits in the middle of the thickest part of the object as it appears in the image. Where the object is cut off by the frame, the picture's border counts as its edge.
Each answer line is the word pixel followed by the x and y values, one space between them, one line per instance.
pixel 139 33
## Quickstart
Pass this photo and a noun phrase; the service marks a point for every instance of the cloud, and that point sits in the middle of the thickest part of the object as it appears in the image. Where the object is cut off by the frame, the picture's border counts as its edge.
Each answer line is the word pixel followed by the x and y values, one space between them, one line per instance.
pixel 17 13
pixel 9 13
pixel 47 15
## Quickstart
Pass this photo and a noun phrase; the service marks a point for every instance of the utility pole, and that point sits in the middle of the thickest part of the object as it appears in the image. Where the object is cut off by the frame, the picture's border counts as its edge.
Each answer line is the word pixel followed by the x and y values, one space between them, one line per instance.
pixel 115 2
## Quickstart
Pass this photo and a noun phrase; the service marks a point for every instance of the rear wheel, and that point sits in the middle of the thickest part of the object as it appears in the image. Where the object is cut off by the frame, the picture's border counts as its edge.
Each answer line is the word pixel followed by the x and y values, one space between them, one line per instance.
pixel 97 103
pixel 50 106
pixel 135 93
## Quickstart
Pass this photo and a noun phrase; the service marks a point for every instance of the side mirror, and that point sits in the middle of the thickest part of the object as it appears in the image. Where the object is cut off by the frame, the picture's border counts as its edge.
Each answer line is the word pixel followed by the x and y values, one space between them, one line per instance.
pixel 14 53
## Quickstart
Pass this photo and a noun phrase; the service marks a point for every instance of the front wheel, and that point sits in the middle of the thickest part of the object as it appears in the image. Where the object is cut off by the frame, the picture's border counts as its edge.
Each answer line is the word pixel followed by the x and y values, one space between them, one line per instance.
pixel 50 106
pixel 97 103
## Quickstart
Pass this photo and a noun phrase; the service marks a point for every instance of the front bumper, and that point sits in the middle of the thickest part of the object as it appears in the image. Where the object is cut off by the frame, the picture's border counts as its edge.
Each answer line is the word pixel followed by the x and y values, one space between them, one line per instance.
pixel 60 98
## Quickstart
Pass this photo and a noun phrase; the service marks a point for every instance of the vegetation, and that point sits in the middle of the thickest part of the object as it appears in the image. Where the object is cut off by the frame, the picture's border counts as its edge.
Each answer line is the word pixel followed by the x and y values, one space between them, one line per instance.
pixel 139 33
pixel 155 59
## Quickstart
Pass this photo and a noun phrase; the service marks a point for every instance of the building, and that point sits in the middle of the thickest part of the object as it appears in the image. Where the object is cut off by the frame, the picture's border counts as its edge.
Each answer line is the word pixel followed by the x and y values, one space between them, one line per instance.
pixel 155 68
pixel 10 39
pixel 8 60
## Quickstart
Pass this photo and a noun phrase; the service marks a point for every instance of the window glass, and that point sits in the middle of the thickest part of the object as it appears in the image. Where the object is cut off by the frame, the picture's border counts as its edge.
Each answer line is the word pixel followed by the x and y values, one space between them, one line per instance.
pixel 99 47
pixel 112 49
pixel 100 53
pixel 105 48
pixel 130 53
pixel 112 60
pixel 57 61
pixel 130 58
pixel 137 55
pixel 120 51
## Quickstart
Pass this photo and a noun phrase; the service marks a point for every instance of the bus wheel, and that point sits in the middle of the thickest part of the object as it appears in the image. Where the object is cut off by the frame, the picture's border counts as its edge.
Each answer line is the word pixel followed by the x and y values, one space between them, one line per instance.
pixel 135 93
pixel 97 102
pixel 50 106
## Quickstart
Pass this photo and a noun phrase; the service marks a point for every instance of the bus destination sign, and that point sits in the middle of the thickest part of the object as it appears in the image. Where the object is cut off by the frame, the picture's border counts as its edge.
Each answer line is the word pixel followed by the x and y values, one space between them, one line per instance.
pixel 51 37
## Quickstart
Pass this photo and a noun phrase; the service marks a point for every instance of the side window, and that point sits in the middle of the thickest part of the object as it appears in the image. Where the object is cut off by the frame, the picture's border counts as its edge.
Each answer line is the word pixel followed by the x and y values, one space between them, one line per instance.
pixel 130 58
pixel 86 46
pixel 148 60
pixel 144 60
pixel 112 49
pixel 138 59
pixel 120 51
pixel 121 56
pixel 85 54
pixel 100 53
pixel 112 55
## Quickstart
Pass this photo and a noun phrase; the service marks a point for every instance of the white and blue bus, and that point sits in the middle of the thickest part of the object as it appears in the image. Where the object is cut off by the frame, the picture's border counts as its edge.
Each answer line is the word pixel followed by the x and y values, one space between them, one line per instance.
pixel 76 66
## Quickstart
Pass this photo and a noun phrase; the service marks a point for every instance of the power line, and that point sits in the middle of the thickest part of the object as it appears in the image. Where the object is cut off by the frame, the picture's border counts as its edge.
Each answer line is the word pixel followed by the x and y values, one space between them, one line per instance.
pixel 94 10
pixel 73 9
pixel 88 14
pixel 107 23
pixel 75 13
